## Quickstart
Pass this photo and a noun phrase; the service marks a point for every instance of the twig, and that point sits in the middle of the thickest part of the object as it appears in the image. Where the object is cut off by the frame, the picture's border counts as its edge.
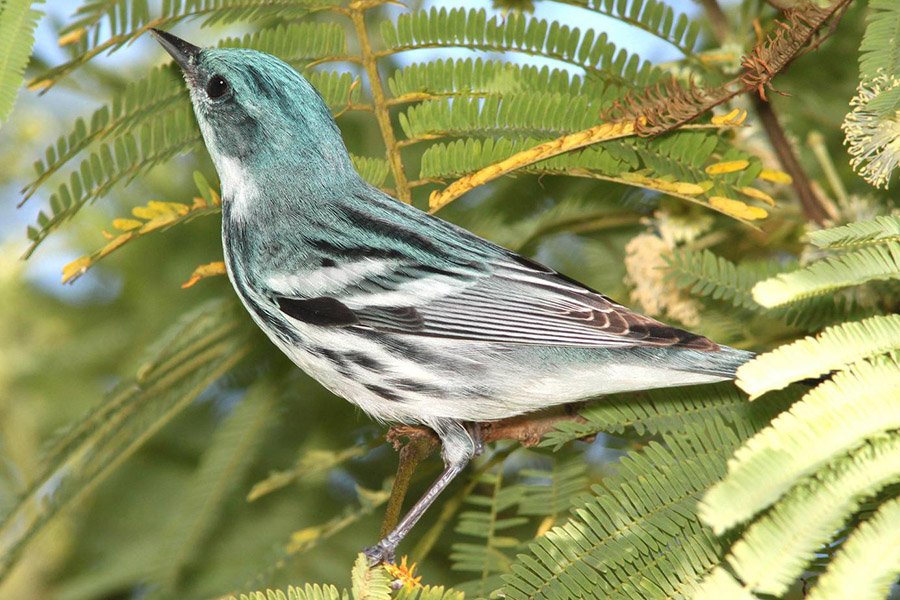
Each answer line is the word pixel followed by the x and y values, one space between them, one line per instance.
pixel 813 206
pixel 422 442
pixel 356 11
pixel 717 19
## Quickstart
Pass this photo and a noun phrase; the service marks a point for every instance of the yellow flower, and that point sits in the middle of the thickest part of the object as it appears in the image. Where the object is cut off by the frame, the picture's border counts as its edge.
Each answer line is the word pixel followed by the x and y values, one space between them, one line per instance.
pixel 404 575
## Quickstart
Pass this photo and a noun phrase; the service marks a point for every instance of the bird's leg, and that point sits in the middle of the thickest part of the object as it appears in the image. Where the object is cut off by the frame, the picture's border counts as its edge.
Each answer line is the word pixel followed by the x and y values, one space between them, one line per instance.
pixel 383 551
pixel 459 445
pixel 474 431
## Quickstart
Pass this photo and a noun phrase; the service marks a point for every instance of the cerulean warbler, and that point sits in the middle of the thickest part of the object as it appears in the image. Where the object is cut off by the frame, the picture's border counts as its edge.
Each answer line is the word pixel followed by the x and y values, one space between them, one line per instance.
pixel 407 316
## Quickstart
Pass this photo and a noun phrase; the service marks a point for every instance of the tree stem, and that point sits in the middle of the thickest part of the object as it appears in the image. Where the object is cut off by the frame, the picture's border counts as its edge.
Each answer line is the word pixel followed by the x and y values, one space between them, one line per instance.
pixel 813 206
pixel 382 114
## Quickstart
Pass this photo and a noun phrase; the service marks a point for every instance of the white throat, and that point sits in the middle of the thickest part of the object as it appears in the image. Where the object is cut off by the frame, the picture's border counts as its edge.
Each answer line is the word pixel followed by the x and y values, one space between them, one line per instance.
pixel 238 186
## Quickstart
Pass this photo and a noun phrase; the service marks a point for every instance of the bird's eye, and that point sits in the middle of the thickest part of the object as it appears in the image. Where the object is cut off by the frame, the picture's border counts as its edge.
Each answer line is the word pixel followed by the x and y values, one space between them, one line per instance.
pixel 216 87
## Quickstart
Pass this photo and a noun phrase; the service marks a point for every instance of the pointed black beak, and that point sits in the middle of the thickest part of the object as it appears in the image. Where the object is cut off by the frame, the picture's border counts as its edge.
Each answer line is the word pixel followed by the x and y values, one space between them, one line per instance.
pixel 185 54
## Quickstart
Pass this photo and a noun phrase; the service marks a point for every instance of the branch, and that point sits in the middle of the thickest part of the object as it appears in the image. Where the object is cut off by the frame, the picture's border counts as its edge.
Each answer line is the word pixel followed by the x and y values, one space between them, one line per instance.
pixel 667 106
pixel 382 113
pixel 814 207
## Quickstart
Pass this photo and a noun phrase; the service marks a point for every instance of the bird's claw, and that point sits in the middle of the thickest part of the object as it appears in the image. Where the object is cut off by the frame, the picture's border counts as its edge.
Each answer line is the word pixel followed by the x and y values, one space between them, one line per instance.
pixel 380 553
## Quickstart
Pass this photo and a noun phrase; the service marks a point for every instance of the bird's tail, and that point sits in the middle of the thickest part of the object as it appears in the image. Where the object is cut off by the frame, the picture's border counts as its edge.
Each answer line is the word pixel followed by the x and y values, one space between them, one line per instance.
pixel 721 363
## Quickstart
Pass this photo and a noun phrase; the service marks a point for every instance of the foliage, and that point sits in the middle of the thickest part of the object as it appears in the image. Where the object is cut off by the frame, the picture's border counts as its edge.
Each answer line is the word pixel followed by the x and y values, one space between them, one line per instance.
pixel 815 464
pixel 366 584
pixel 212 466
pixel 17 22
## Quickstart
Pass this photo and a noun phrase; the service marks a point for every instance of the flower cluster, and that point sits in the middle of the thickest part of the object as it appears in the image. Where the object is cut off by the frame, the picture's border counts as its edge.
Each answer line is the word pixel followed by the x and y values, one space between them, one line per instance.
pixel 872 136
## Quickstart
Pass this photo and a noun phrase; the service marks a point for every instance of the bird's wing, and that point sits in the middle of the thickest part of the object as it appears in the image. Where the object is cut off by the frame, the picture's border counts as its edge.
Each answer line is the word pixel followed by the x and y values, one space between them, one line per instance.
pixel 512 300
pixel 523 302
pixel 418 275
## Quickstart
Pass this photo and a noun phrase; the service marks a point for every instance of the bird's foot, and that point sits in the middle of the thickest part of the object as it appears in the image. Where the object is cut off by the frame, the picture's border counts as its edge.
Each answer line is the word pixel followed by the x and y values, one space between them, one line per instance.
pixel 380 553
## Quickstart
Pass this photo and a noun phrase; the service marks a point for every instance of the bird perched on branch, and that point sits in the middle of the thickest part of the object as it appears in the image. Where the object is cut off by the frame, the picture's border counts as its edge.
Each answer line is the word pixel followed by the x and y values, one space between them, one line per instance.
pixel 407 316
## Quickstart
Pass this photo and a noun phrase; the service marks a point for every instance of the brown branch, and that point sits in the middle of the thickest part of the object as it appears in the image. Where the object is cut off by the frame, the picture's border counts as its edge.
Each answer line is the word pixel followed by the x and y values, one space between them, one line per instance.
pixel 717 19
pixel 814 207
pixel 356 12
pixel 420 444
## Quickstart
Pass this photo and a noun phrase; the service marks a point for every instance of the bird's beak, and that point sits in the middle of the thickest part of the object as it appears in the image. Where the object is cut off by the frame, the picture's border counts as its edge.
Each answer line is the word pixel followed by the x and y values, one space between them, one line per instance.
pixel 185 54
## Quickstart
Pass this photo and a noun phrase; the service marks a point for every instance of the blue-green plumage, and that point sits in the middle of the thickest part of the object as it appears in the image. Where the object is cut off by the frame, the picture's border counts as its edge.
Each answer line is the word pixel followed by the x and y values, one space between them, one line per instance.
pixel 410 317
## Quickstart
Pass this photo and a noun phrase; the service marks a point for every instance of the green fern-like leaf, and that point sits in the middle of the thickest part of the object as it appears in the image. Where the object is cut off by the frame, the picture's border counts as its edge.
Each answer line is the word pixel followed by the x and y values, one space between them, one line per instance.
pixel 643 518
pixel 773 552
pixel 532 113
pixel 488 556
pixel 838 415
pixel 669 410
pixel 880 48
pixel 538 37
pixel 655 17
pixel 428 593
pixel 367 583
pixel 199 349
pixel 18 20
pixel 878 230
pixel 479 76
pixel 373 170
pixel 705 274
pixel 868 562
pixel 552 492
pixel 869 263
pixel 307 592
pixel 124 20
pixel 835 348
pixel 123 160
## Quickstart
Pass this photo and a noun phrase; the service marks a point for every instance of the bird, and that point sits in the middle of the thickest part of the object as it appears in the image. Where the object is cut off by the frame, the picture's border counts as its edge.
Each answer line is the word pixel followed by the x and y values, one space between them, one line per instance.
pixel 411 318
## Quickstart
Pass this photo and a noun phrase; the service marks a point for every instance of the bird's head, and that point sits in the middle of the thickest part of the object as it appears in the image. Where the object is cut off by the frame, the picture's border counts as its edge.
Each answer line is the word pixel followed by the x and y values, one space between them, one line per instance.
pixel 257 114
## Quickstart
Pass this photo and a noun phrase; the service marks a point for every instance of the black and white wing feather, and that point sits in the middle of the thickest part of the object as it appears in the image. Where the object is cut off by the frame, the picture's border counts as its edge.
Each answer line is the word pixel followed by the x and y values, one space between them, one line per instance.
pixel 513 301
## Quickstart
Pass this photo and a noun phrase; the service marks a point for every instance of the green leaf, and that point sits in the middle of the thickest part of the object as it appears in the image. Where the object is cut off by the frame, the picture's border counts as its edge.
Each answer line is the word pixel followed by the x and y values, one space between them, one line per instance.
pixel 776 548
pixel 705 274
pixel 879 51
pixel 868 562
pixel 860 233
pixel 18 21
pixel 638 535
pixel 516 33
pixel 369 583
pixel 669 410
pixel 835 417
pixel 811 357
pixel 869 263
pixel 490 523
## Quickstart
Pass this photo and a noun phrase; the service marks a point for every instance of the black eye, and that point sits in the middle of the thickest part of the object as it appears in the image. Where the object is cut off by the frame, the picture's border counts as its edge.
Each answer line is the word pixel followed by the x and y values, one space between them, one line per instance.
pixel 216 87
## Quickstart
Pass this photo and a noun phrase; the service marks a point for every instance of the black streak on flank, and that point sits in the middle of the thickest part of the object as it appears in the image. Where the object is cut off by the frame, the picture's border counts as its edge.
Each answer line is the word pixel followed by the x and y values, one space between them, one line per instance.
pixel 384 393
pixel 364 361
pixel 318 311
